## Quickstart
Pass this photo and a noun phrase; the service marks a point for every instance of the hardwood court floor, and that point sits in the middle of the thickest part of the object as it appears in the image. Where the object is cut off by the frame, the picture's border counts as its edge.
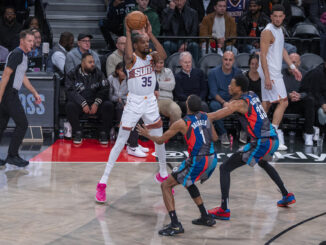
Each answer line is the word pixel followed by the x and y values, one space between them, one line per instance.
pixel 52 202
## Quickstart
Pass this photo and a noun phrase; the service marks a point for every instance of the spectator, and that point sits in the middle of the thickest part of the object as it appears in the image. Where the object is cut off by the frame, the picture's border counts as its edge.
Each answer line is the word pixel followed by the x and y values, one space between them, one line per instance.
pixel 32 22
pixel 219 25
pixel 180 20
pixel 87 94
pixel 236 8
pixel 84 46
pixel 314 82
pixel 142 6
pixel 116 57
pixel 252 23
pixel 267 8
pixel 37 47
pixel 9 29
pixel 166 81
pixel 253 75
pixel 117 11
pixel 219 80
pixel 317 14
pixel 159 5
pixel 299 102
pixel 60 51
pixel 3 54
pixel 189 81
pixel 118 95
pixel 203 7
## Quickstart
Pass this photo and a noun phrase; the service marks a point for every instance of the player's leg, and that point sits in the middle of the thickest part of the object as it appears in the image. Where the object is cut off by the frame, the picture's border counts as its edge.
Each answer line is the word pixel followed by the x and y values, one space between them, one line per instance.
pixel 288 198
pixel 226 168
pixel 204 219
pixel 279 112
pixel 175 226
pixel 4 118
pixel 266 105
pixel 128 121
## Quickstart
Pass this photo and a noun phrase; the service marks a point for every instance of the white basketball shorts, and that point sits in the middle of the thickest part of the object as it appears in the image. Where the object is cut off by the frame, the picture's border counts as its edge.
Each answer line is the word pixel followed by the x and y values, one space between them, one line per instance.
pixel 140 106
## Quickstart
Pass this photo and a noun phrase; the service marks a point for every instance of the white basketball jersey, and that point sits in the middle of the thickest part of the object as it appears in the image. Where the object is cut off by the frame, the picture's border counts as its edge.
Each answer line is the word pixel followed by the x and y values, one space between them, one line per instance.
pixel 141 76
pixel 275 52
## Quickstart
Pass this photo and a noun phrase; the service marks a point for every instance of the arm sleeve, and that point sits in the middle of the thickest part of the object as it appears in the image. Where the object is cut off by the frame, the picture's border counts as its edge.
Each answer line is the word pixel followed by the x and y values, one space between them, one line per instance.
pixel 178 90
pixel 97 61
pixel 71 91
pixel 203 86
pixel 59 60
pixel 170 84
pixel 212 85
pixel 69 65
pixel 194 30
pixel 203 28
pixel 167 16
pixel 156 26
pixel 14 60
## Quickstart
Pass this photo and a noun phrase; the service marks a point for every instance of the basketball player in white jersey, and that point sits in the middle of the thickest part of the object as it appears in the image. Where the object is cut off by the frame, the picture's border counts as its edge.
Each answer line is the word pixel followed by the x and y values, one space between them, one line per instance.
pixel 272 53
pixel 141 102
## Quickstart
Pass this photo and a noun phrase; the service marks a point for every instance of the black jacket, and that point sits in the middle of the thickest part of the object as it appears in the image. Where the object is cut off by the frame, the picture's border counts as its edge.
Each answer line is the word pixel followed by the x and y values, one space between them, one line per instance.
pixel 315 11
pixel 9 35
pixel 198 5
pixel 244 25
pixel 86 89
pixel 195 84
pixel 314 82
pixel 170 21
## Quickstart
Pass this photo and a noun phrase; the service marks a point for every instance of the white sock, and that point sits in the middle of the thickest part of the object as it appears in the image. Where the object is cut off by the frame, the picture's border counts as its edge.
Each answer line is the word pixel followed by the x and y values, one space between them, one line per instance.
pixel 114 154
pixel 160 152
pixel 275 126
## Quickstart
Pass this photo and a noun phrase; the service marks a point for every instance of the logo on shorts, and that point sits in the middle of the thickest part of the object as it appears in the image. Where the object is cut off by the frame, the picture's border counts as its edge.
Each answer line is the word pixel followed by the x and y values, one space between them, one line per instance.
pixel 175 169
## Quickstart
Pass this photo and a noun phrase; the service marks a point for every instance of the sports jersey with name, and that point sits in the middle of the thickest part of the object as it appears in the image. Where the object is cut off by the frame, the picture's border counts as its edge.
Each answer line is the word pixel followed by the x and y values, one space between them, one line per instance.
pixel 17 60
pixel 141 76
pixel 199 135
pixel 255 121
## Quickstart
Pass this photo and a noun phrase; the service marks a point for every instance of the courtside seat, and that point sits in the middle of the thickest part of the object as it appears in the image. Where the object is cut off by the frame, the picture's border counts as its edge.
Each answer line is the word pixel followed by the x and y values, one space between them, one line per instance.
pixel 241 61
pixel 209 61
pixel 172 62
pixel 309 61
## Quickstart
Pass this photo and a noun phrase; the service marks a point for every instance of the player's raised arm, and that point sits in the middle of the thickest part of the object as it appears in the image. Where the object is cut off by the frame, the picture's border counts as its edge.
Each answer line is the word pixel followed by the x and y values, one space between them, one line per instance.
pixel 178 126
pixel 158 46
pixel 128 56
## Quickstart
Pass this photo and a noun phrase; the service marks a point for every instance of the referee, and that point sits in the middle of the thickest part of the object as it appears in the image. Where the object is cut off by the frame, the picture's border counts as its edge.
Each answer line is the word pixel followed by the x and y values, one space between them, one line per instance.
pixel 10 106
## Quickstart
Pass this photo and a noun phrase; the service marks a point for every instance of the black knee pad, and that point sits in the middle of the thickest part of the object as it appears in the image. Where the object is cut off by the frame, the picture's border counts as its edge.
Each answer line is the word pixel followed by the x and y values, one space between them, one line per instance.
pixel 193 191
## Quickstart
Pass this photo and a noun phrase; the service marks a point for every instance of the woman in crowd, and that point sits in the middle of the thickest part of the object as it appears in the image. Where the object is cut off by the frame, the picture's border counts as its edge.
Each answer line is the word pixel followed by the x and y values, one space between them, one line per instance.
pixel 253 76
pixel 166 81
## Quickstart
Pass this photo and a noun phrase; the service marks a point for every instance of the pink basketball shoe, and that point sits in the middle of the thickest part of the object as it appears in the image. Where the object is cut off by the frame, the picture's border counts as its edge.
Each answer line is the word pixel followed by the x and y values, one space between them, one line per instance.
pixel 100 193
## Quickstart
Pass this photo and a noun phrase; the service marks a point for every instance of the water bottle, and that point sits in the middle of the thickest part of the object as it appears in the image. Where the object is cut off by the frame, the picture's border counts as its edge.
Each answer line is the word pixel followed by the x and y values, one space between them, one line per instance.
pixel 61 134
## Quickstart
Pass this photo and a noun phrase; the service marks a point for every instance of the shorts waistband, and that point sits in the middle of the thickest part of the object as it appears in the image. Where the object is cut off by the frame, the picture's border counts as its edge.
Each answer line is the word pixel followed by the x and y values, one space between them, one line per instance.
pixel 141 96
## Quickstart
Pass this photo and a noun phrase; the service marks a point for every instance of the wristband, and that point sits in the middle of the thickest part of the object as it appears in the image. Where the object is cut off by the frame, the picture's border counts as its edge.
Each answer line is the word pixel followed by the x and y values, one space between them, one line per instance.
pixel 292 66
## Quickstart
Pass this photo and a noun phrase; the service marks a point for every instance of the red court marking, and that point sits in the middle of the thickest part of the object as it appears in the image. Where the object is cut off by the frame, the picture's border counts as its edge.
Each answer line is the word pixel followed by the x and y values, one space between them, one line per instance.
pixel 89 151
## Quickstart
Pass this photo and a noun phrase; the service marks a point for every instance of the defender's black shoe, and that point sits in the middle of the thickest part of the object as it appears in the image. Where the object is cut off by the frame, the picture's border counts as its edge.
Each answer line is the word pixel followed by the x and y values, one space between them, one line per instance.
pixel 207 221
pixel 17 161
pixel 171 230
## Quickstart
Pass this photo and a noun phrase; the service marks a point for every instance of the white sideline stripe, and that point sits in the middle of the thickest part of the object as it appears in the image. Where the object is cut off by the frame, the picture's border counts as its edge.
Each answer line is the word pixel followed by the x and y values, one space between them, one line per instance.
pixel 273 163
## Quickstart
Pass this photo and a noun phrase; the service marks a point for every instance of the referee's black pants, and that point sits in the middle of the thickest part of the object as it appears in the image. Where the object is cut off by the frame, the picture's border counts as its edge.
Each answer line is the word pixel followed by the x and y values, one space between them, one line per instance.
pixel 104 111
pixel 11 107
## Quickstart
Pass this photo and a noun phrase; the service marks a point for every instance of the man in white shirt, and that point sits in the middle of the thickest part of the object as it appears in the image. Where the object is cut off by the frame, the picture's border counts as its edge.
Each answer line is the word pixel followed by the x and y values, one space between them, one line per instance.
pixel 60 50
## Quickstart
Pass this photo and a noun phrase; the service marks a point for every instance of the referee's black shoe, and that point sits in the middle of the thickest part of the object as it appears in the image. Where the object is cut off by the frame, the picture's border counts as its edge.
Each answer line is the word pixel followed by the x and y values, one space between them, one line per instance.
pixel 2 162
pixel 207 221
pixel 171 230
pixel 17 161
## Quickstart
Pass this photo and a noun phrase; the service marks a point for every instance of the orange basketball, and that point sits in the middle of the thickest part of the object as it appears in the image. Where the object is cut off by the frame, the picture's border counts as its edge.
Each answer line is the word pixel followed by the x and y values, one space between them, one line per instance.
pixel 136 20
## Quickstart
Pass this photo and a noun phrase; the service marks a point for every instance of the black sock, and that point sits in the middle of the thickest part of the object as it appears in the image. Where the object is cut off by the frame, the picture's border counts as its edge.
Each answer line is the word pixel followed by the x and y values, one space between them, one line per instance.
pixel 224 203
pixel 174 218
pixel 202 210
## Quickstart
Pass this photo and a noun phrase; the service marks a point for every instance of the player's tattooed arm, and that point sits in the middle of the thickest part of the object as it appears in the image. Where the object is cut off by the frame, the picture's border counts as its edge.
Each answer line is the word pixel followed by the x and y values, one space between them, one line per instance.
pixel 178 126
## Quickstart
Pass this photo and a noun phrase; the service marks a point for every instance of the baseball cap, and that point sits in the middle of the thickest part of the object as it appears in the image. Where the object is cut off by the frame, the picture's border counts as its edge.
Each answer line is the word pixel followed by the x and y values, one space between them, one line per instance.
pixel 83 35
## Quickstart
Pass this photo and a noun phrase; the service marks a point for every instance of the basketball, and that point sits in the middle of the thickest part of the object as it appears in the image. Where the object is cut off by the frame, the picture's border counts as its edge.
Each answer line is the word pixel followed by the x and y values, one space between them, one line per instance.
pixel 136 20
